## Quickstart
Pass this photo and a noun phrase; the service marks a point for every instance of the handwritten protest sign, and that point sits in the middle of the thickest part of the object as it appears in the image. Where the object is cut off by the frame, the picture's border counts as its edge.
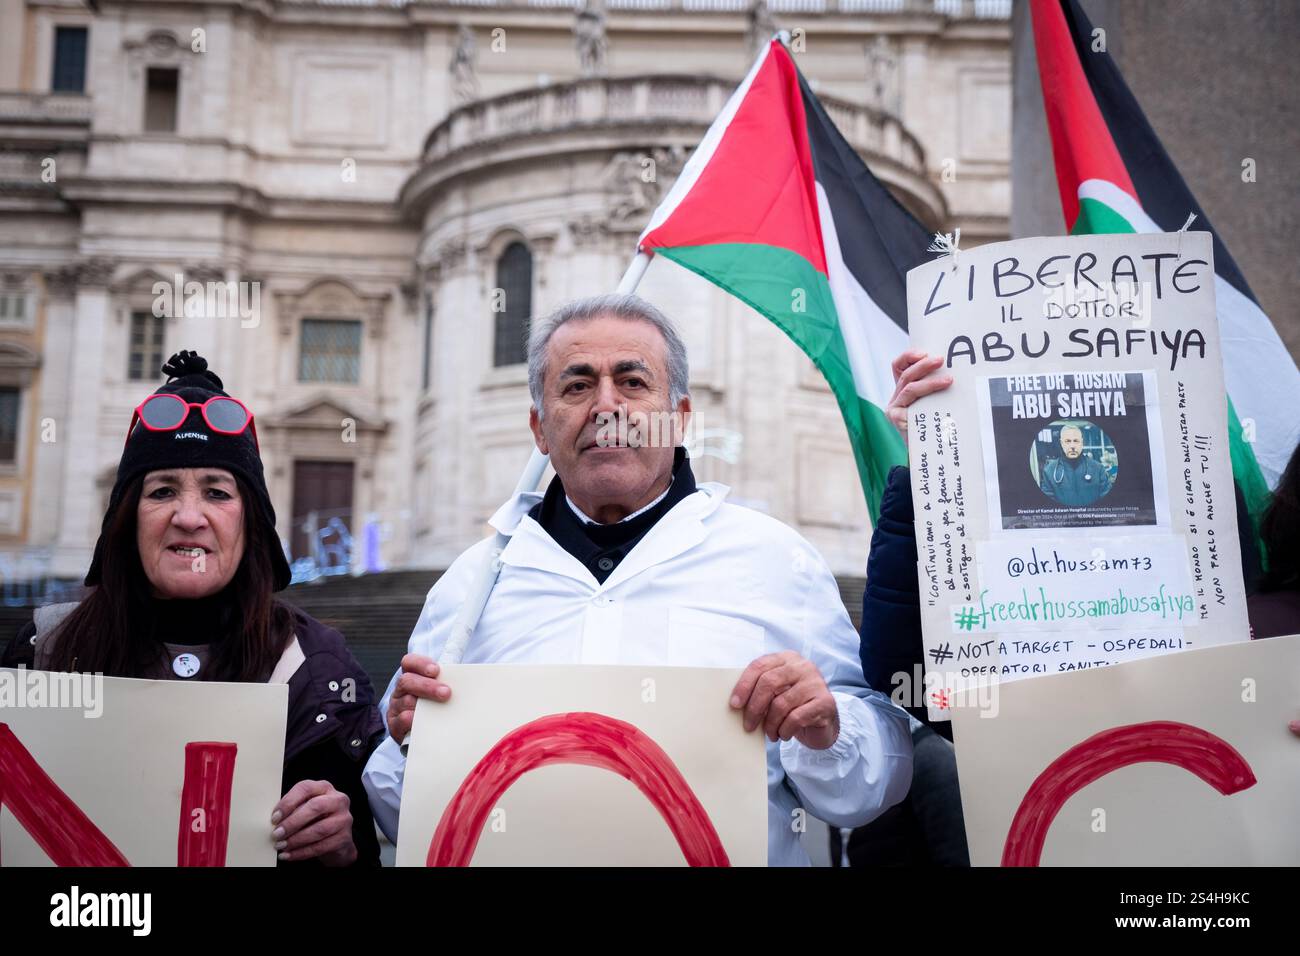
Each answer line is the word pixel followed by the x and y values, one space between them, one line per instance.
pixel 1179 760
pixel 1073 491
pixel 589 766
pixel 106 771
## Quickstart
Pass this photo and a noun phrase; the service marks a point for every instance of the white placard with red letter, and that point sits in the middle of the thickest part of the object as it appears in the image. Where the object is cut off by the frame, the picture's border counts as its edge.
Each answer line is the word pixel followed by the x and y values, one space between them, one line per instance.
pixel 108 771
pixel 1180 760
pixel 586 766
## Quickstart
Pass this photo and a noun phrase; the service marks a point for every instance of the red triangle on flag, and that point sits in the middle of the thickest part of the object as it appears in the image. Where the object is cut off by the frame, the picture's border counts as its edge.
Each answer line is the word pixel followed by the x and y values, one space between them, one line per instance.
pixel 758 186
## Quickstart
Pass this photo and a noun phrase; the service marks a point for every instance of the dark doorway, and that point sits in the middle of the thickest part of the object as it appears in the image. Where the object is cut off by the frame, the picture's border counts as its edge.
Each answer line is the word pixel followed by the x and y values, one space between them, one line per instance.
pixel 161 99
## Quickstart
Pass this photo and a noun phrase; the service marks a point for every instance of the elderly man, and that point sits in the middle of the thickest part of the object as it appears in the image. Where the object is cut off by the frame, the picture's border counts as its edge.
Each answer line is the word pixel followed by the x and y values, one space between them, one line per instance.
pixel 1076 479
pixel 626 560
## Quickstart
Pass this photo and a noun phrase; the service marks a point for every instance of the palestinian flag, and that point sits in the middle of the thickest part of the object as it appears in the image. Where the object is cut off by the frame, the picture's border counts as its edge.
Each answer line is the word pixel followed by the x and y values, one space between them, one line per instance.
pixel 776 208
pixel 1114 176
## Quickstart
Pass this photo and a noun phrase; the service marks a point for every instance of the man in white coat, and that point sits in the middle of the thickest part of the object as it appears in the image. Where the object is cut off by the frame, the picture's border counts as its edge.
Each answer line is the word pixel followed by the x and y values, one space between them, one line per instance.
pixel 625 560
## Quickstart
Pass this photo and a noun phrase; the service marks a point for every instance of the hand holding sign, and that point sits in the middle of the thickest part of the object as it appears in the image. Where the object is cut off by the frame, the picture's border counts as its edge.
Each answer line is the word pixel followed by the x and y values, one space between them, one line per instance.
pixel 418 681
pixel 787 696
pixel 783 693
pixel 314 821
pixel 913 378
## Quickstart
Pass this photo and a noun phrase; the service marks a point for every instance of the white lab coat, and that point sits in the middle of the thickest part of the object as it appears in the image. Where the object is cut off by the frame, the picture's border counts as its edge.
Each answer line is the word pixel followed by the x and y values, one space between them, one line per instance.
pixel 711 584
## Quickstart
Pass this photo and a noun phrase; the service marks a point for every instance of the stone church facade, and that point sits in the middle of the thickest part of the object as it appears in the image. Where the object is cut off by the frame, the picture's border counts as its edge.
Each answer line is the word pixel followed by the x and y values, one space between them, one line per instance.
pixel 352 208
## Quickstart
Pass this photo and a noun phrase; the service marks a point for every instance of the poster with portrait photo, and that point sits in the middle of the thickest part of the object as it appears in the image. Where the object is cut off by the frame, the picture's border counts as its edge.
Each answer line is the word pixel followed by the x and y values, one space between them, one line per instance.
pixel 1073 450
pixel 1028 564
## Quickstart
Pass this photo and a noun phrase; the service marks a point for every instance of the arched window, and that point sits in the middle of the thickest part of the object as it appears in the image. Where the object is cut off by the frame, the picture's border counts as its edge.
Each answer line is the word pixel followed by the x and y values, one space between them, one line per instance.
pixel 512 303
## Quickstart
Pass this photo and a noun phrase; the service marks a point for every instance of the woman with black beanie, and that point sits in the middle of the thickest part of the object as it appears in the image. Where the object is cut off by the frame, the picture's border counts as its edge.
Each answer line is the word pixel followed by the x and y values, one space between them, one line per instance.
pixel 183 583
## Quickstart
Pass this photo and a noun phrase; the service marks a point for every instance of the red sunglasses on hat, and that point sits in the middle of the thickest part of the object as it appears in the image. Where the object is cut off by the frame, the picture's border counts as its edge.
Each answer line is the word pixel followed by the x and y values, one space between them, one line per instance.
pixel 167 412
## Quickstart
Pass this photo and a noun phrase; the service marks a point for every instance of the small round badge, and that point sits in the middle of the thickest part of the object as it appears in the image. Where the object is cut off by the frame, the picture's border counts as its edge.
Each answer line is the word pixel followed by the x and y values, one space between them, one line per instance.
pixel 185 665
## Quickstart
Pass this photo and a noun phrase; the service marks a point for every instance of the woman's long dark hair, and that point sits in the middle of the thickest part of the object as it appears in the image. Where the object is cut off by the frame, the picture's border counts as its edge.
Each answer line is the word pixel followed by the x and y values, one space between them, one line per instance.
pixel 1280 530
pixel 111 631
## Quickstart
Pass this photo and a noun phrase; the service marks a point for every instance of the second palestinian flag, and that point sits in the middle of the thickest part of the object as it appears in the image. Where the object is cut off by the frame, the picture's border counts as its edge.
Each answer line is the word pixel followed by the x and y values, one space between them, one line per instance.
pixel 1115 176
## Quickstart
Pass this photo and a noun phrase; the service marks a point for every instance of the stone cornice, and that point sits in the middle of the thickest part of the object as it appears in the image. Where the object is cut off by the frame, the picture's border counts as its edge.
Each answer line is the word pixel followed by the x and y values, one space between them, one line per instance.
pixel 151 192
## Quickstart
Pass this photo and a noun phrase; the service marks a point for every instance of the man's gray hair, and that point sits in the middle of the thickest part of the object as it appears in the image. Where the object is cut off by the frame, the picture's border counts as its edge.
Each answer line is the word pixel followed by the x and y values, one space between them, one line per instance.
pixel 616 305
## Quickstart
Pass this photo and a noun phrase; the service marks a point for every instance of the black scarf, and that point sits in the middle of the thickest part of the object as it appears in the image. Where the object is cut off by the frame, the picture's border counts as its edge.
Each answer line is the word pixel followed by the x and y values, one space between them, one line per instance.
pixel 206 620
pixel 600 547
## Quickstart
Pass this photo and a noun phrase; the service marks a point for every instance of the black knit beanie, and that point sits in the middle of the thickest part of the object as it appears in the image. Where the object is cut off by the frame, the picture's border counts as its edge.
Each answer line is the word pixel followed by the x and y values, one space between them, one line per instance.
pixel 193 445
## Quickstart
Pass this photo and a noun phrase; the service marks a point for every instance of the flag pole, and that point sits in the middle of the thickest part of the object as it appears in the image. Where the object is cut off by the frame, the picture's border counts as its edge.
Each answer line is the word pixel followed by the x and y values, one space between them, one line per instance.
pixel 470 612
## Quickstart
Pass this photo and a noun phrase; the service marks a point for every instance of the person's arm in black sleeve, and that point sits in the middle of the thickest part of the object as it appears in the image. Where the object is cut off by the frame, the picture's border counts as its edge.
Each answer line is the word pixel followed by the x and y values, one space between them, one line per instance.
pixel 891 604
pixel 20 651
pixel 327 761
pixel 330 682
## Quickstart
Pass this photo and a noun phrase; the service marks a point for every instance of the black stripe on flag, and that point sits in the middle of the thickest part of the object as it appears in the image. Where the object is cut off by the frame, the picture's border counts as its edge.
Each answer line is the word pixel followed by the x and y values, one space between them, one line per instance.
pixel 879 239
pixel 1161 190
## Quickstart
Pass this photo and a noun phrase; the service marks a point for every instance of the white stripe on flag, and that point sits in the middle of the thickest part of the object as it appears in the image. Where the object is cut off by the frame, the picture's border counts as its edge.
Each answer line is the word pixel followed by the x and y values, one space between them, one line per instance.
pixel 871 337
pixel 1262 379
pixel 1258 371
pixel 1107 193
